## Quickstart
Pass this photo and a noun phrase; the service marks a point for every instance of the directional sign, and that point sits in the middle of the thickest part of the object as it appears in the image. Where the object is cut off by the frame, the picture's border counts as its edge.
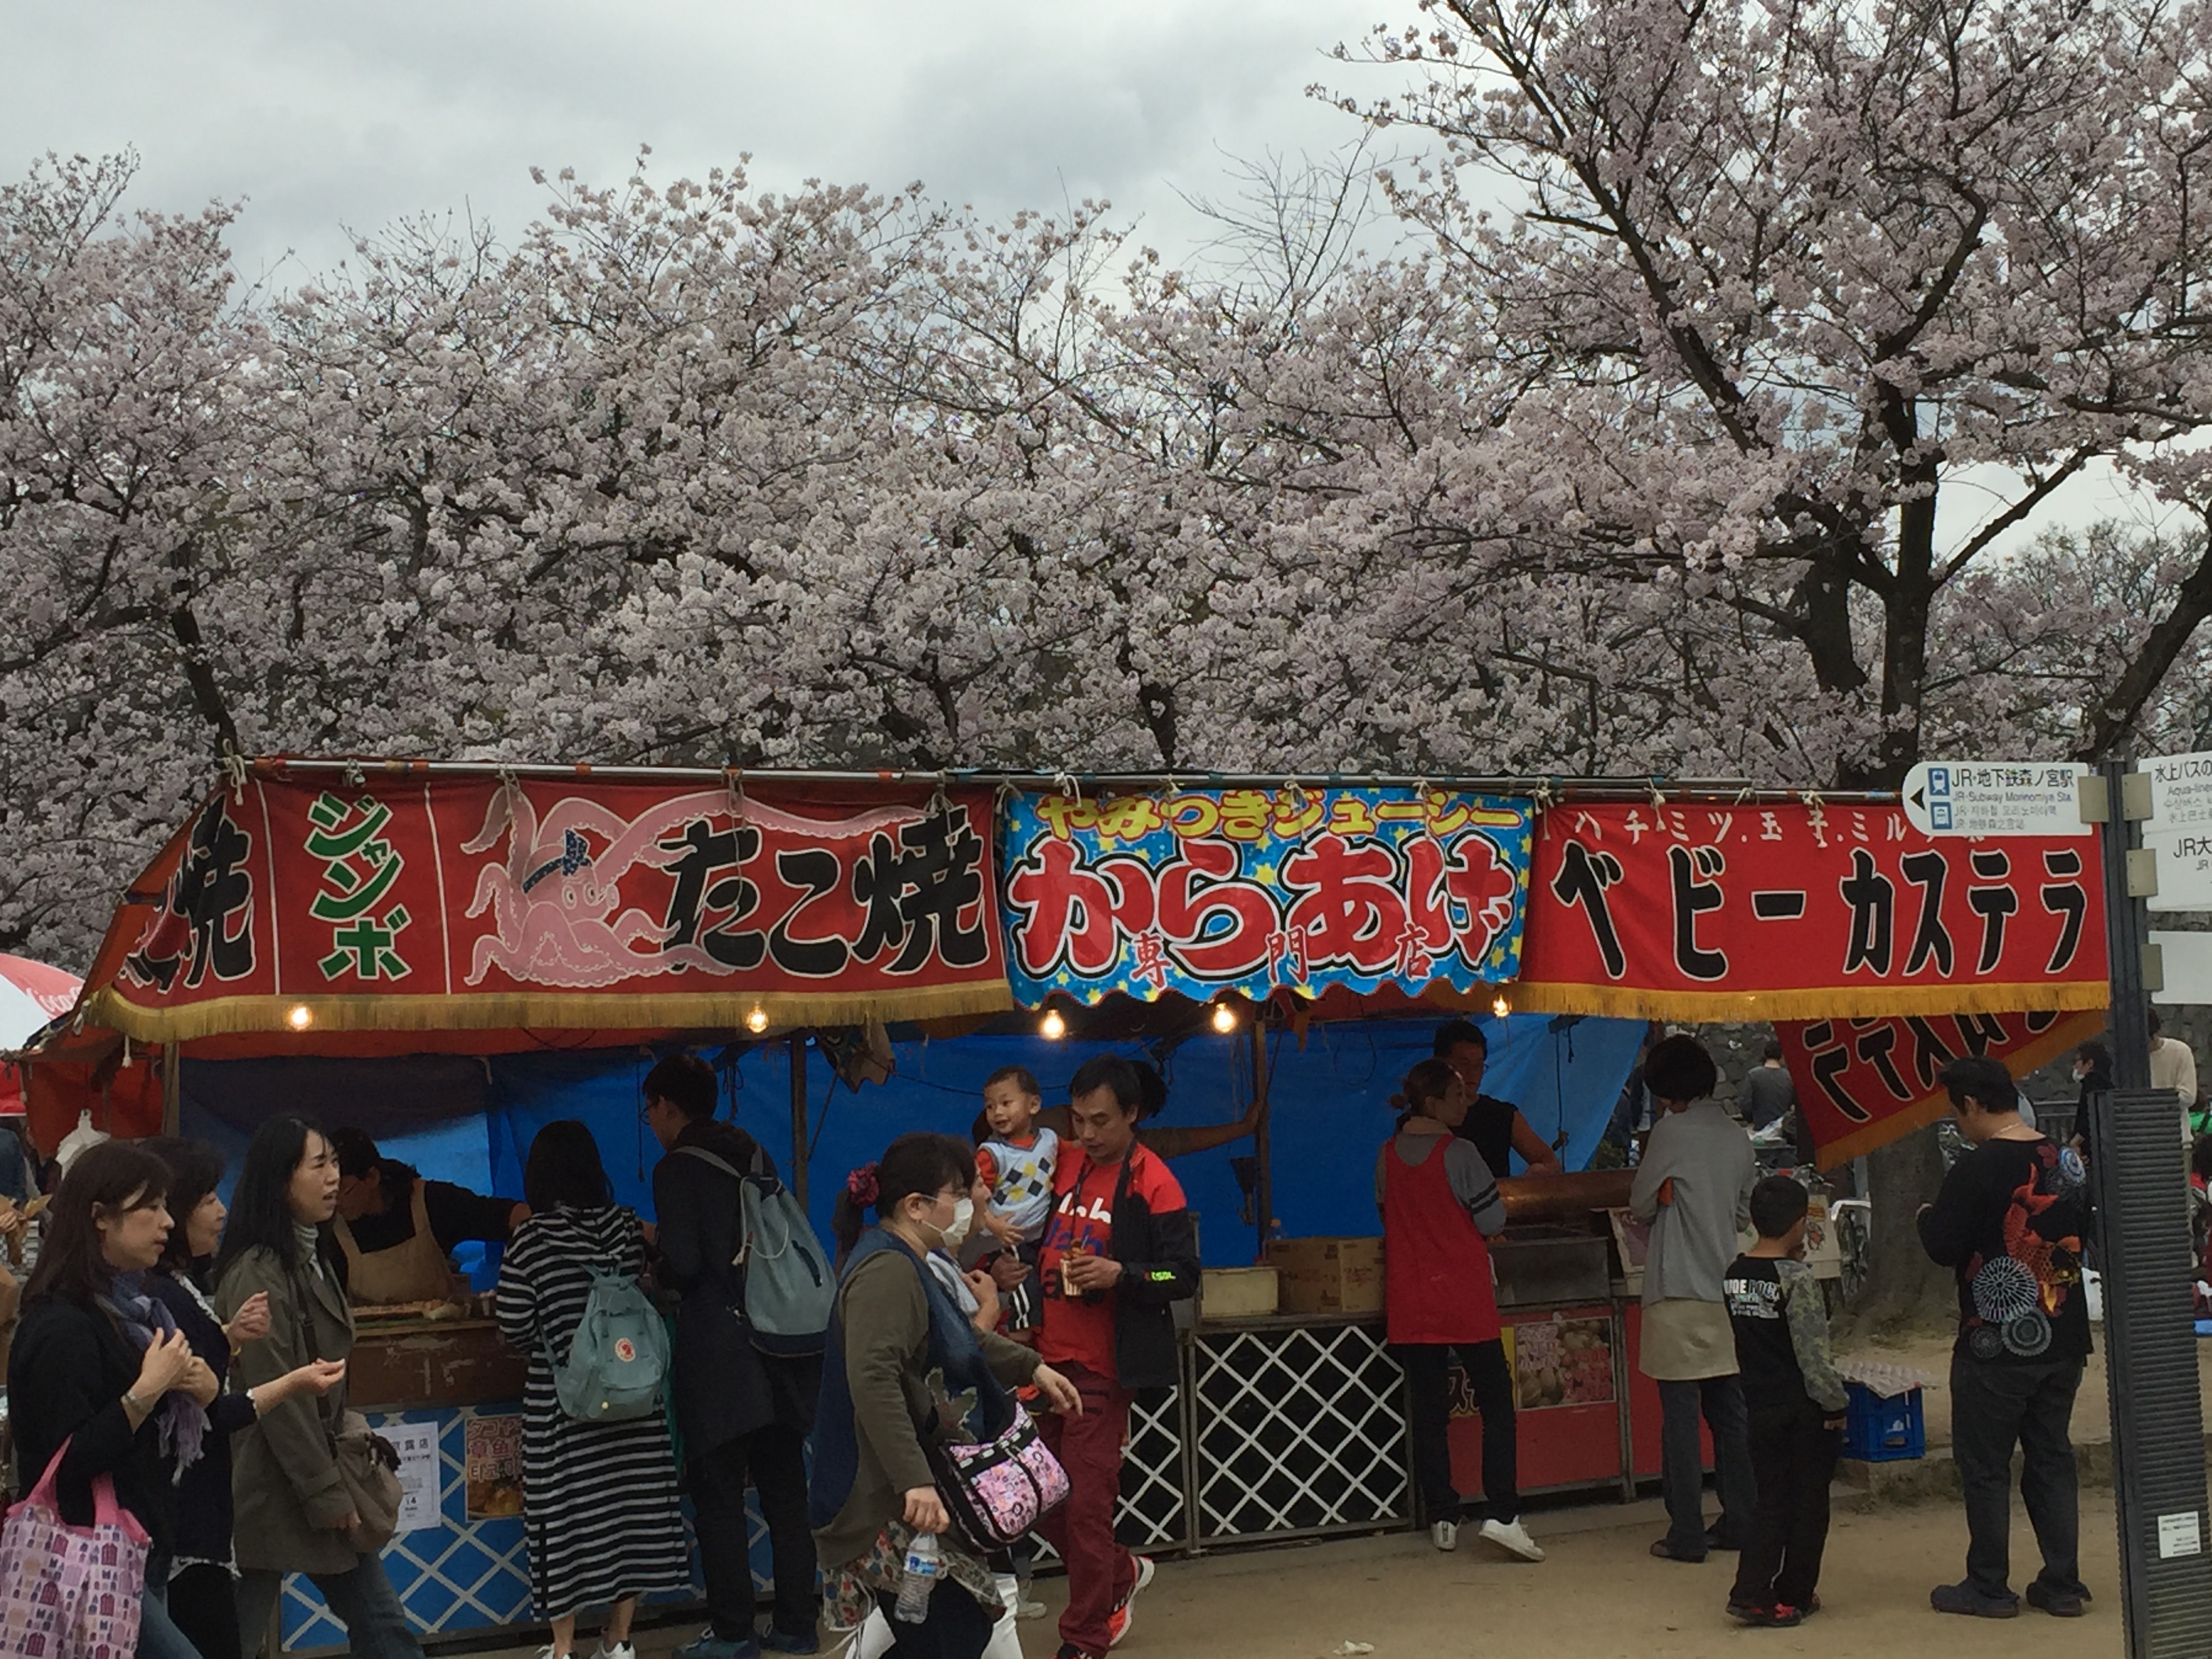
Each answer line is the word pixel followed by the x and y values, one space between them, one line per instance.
pixel 2179 830
pixel 2185 869
pixel 1995 798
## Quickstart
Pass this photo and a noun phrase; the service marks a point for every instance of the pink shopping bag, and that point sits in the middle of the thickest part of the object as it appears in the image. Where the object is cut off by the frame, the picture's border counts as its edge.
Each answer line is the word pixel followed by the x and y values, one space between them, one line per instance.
pixel 70 1592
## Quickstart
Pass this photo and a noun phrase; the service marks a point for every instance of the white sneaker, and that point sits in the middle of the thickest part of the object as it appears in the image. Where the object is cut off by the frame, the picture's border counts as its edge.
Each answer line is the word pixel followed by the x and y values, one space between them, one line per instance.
pixel 619 1651
pixel 1444 1535
pixel 1513 1537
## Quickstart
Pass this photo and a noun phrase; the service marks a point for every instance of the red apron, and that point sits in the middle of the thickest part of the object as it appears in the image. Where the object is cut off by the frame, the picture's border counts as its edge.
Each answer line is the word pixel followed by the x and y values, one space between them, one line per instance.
pixel 1436 1265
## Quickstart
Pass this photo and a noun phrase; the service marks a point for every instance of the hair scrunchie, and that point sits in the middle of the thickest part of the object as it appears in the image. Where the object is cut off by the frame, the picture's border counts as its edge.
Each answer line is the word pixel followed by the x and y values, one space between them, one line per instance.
pixel 861 1185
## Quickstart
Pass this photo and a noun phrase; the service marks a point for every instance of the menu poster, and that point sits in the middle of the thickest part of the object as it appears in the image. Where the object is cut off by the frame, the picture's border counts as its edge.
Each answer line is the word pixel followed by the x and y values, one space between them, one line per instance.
pixel 416 1443
pixel 1562 1362
pixel 493 1463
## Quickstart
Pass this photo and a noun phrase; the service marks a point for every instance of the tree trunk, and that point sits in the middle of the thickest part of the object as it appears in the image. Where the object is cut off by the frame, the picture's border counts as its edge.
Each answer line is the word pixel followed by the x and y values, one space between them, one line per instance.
pixel 1903 1289
pixel 2109 724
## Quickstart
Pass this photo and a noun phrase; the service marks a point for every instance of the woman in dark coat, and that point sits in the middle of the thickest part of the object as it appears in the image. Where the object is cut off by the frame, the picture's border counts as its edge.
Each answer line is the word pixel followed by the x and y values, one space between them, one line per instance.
pixel 203 1597
pixel 97 1366
pixel 293 1511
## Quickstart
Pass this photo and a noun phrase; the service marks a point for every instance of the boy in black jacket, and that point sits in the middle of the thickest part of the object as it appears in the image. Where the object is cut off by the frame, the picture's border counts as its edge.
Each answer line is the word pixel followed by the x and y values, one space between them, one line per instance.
pixel 1796 1403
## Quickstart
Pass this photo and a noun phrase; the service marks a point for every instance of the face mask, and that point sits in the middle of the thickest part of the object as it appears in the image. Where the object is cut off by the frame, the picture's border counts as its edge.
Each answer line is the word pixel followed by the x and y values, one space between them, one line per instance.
pixel 963 1218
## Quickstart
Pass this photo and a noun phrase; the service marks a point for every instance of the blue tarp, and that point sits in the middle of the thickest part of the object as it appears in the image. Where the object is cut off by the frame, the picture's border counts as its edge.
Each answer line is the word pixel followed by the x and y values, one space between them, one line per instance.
pixel 1328 1097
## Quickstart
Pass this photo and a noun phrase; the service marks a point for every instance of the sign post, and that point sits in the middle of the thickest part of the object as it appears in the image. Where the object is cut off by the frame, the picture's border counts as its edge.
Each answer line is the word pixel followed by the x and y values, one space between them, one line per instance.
pixel 2142 1245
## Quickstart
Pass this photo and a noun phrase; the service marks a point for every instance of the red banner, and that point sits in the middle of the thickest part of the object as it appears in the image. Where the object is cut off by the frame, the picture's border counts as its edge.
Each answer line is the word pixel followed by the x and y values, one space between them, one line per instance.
pixel 1796 911
pixel 472 902
pixel 1864 1082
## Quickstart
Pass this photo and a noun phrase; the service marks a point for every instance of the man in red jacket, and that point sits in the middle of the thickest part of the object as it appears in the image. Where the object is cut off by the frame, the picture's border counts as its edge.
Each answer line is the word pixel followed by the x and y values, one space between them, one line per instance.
pixel 1118 1251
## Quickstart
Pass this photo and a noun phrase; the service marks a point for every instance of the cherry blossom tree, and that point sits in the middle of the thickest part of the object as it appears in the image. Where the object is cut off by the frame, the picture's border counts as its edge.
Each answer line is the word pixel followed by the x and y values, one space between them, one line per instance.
pixel 1782 275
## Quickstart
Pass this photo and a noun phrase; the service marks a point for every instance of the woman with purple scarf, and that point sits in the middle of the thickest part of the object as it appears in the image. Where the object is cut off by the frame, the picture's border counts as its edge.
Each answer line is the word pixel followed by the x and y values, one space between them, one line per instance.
pixel 202 1566
pixel 99 1365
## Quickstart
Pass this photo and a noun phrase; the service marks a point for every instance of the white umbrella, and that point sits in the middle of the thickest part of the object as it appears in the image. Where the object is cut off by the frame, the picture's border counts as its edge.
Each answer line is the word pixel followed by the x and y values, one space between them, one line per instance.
pixel 32 996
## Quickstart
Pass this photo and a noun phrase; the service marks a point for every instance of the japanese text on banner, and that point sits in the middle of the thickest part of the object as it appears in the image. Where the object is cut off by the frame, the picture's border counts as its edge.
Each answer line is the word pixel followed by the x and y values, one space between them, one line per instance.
pixel 1246 890
pixel 1796 910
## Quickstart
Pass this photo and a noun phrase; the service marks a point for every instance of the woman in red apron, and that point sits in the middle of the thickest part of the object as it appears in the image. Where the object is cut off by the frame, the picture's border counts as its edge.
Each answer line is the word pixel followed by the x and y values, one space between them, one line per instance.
pixel 1439 1200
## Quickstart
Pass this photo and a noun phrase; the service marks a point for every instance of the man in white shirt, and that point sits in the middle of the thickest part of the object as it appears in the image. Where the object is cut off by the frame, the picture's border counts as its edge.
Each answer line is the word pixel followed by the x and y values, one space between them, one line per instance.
pixel 2173 1066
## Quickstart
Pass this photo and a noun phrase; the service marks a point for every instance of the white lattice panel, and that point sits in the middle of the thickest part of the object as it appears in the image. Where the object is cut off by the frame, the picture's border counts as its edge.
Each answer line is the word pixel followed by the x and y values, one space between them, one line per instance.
pixel 1300 1429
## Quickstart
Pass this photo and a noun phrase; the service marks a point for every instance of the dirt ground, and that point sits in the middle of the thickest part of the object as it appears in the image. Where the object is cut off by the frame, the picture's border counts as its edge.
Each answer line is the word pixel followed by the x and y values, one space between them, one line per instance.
pixel 1600 1595
pixel 2093 1417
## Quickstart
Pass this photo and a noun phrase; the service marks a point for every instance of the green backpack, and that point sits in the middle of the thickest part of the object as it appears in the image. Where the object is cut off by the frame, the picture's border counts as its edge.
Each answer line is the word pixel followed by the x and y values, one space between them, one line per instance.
pixel 619 1361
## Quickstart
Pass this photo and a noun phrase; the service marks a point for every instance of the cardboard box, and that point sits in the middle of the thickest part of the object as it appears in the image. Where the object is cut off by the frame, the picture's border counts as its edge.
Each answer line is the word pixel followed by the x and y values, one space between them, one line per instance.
pixel 1330 1275
pixel 1236 1292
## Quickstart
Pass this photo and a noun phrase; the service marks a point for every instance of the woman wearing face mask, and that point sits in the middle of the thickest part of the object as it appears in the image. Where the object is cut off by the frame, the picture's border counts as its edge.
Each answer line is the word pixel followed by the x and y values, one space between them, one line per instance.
pixel 897 1327
pixel 202 1598
pixel 293 1513
pixel 98 1366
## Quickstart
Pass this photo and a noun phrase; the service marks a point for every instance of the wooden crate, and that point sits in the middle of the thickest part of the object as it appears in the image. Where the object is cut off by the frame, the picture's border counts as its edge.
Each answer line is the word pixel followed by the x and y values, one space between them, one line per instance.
pixel 1330 1275
pixel 1236 1292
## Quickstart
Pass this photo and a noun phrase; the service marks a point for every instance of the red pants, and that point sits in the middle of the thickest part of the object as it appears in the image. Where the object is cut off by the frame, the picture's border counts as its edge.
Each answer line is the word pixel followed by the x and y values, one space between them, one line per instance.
pixel 1100 1572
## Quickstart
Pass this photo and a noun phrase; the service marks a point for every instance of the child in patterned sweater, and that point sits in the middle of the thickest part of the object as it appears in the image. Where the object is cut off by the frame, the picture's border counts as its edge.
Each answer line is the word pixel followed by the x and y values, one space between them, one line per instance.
pixel 1795 1402
pixel 1017 1159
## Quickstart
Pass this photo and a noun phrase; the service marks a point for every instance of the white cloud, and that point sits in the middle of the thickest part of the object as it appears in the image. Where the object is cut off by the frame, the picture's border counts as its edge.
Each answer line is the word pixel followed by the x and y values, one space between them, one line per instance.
pixel 352 114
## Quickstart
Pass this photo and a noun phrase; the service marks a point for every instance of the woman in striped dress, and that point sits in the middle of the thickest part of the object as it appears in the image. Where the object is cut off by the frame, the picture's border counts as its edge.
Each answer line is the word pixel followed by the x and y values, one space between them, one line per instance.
pixel 599 1508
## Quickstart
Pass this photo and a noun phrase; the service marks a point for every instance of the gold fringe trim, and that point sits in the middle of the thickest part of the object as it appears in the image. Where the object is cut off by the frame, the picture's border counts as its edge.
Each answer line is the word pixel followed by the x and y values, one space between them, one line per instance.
pixel 2068 1033
pixel 530 1011
pixel 1834 1002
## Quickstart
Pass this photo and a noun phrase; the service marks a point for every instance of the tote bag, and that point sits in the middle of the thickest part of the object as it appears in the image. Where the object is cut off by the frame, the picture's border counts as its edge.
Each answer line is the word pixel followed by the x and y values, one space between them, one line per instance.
pixel 70 1592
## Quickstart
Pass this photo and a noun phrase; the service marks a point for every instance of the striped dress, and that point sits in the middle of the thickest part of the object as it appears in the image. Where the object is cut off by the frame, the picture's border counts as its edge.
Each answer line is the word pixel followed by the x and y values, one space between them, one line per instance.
pixel 600 1507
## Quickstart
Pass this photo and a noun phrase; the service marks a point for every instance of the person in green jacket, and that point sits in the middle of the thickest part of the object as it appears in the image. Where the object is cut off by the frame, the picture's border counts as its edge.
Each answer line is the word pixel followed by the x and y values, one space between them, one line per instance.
pixel 899 1350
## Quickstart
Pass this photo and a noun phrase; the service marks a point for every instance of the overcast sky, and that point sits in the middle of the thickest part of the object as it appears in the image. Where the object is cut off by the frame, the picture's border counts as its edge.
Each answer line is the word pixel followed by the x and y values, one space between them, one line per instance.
pixel 349 114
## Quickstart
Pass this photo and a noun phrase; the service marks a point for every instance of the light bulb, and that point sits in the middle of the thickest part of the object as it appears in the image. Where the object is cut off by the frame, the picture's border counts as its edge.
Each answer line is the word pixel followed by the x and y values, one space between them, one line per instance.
pixel 1052 1027
pixel 301 1016
pixel 757 1021
pixel 1224 1019
pixel 1501 1007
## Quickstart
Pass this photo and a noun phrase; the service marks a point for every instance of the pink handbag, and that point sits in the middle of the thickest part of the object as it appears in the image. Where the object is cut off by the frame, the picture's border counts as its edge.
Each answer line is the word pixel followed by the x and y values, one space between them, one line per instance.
pixel 996 1492
pixel 70 1592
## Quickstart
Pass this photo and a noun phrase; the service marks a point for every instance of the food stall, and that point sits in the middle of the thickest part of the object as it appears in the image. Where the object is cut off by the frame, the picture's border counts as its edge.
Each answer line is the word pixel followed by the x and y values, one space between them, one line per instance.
pixel 1867 944
pixel 509 923
pixel 398 929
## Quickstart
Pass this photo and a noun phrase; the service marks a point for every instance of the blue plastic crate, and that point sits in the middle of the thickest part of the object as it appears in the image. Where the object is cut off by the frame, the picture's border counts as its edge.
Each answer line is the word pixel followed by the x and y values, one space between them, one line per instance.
pixel 1879 1431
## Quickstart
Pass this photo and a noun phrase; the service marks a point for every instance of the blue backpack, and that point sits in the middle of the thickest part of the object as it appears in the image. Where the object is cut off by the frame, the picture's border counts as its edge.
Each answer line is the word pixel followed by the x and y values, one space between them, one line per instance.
pixel 788 1287
pixel 617 1362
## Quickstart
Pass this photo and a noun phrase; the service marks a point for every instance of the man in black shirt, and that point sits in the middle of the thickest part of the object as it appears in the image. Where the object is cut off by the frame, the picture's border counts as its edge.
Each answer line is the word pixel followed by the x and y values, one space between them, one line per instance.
pixel 2010 1221
pixel 1496 1127
pixel 377 1210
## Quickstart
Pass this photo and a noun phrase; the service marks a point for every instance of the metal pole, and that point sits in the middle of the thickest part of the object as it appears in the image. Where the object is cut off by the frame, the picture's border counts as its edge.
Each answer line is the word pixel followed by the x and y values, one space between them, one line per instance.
pixel 172 1090
pixel 799 1117
pixel 2142 1245
pixel 1263 1186
pixel 1637 788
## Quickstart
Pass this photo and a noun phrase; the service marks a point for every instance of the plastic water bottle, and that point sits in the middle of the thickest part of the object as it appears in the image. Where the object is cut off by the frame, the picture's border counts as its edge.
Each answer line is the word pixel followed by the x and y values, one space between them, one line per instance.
pixel 922 1568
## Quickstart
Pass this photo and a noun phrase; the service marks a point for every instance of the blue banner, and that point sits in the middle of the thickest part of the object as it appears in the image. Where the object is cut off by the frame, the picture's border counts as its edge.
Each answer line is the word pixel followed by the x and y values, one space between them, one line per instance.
pixel 1248 890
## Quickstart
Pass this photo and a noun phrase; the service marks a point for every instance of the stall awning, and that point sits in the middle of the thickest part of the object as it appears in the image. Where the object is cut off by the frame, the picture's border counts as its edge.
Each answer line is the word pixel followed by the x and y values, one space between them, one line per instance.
pixel 1798 910
pixel 402 901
